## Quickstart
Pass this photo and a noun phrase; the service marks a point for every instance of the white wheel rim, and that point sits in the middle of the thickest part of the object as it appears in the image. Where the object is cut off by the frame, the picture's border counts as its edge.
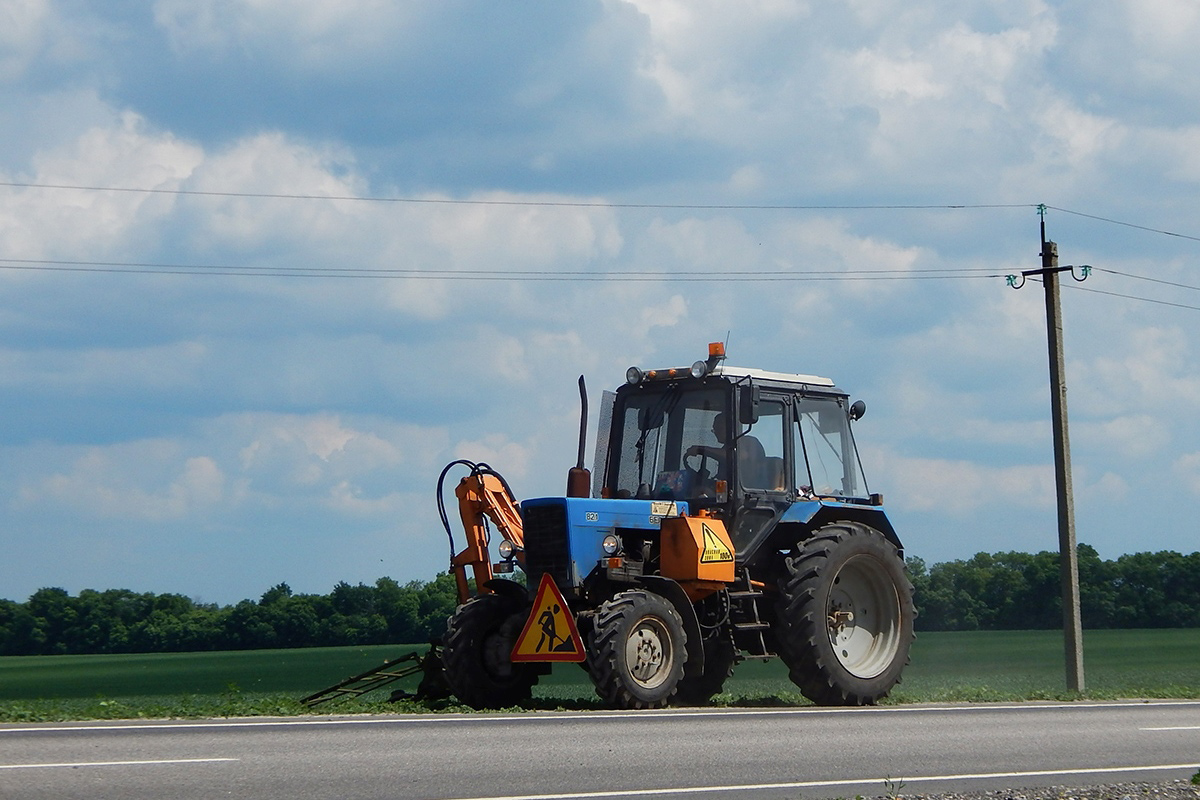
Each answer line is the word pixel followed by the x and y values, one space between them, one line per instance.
pixel 864 617
pixel 648 652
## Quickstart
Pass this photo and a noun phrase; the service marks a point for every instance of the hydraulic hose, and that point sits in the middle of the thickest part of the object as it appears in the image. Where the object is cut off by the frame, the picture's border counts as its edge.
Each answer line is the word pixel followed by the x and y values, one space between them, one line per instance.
pixel 478 469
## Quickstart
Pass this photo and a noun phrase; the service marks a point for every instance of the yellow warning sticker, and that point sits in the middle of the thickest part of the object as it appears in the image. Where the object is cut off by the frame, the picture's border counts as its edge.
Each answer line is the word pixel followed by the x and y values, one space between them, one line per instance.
pixel 715 550
pixel 550 633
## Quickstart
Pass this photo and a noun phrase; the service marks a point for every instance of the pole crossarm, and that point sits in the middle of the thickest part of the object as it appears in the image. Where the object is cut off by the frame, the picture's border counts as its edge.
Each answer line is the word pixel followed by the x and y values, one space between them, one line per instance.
pixel 1018 280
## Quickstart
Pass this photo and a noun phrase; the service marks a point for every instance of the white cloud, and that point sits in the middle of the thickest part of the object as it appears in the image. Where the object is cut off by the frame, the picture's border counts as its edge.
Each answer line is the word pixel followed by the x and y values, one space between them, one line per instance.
pixel 1187 468
pixel 100 483
pixel 1152 370
pixel 89 224
pixel 699 51
pixel 1103 493
pixel 22 25
pixel 1135 437
pixel 958 487
pixel 512 459
pixel 315 33
pixel 127 398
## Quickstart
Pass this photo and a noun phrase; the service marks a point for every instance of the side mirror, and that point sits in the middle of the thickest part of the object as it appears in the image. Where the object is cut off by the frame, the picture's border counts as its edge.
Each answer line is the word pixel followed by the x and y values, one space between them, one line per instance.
pixel 857 409
pixel 748 404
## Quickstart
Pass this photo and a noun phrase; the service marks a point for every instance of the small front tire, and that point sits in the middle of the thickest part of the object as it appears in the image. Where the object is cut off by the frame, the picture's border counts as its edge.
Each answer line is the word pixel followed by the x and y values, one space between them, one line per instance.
pixel 637 650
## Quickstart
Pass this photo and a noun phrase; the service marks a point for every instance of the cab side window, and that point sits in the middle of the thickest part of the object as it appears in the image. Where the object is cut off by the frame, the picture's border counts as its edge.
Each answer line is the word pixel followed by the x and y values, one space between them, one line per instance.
pixel 761 451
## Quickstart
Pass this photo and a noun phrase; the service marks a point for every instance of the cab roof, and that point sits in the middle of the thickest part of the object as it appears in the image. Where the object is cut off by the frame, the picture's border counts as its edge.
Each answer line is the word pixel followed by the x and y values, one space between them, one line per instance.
pixel 763 375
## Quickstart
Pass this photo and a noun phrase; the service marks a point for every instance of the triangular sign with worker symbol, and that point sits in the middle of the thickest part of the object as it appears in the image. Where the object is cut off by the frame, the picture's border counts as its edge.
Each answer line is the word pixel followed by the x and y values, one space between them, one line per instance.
pixel 550 633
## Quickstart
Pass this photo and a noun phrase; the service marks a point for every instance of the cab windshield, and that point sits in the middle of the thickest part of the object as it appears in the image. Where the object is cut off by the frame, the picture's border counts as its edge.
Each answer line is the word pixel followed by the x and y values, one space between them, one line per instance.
pixel 657 431
pixel 823 438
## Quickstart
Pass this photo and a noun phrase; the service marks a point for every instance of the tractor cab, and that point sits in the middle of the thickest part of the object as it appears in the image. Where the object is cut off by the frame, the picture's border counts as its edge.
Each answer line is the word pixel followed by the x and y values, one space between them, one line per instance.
pixel 751 447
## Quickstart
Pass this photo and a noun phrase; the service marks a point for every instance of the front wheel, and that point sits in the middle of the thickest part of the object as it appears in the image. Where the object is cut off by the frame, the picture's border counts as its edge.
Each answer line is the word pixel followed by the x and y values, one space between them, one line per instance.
pixel 476 655
pixel 844 622
pixel 637 650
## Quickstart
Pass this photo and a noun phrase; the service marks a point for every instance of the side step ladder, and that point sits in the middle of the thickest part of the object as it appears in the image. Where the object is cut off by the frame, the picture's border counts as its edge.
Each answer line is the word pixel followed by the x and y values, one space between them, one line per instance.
pixel 385 673
pixel 749 630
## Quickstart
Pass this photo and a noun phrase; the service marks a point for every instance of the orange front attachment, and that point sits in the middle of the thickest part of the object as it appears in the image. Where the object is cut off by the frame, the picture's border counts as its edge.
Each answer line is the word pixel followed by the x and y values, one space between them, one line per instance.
pixel 697 549
pixel 482 496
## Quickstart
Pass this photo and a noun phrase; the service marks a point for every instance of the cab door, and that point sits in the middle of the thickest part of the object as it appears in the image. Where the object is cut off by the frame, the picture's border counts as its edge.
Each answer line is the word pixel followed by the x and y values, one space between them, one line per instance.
pixel 764 474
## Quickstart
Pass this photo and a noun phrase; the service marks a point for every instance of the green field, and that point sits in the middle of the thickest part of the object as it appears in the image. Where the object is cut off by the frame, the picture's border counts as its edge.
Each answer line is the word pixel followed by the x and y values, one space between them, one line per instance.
pixel 975 666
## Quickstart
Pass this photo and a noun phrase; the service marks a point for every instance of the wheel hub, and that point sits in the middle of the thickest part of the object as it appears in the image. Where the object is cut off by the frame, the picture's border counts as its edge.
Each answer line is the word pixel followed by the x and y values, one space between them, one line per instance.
pixel 864 617
pixel 647 653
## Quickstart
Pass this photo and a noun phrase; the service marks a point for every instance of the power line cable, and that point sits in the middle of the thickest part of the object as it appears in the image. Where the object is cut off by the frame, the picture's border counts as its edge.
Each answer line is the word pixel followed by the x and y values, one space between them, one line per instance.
pixel 1132 297
pixel 593 203
pixel 1126 224
pixel 534 203
pixel 144 268
pixel 1145 278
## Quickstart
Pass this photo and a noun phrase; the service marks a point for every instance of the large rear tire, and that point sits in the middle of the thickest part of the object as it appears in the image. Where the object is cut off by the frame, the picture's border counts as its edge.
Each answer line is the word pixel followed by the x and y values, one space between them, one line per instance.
pixel 476 656
pixel 637 650
pixel 844 623
pixel 720 655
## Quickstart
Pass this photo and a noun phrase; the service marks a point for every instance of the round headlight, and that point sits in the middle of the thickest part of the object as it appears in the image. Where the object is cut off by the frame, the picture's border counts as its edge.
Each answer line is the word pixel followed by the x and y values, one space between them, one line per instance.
pixel 610 545
pixel 633 376
pixel 699 369
pixel 507 549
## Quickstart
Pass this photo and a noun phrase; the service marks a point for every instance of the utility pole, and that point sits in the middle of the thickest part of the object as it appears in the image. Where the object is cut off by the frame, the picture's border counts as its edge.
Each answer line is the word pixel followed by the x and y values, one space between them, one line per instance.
pixel 1068 556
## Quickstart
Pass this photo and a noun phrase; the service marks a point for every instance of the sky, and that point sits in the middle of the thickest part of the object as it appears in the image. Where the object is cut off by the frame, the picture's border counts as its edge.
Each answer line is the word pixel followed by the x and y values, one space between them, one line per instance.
pixel 315 251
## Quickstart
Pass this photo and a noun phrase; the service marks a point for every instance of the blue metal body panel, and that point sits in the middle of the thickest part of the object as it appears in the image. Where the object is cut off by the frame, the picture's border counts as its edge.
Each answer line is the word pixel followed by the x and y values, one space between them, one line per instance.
pixel 590 519
pixel 819 512
pixel 803 511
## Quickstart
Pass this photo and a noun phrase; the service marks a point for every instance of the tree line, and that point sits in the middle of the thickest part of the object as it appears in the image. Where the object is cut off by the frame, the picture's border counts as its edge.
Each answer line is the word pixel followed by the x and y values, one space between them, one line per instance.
pixel 1000 591
pixel 54 622
pixel 1022 591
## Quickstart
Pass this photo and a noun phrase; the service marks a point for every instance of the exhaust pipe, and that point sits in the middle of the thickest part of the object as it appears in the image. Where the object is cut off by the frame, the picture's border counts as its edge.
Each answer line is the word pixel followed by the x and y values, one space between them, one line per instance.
pixel 579 480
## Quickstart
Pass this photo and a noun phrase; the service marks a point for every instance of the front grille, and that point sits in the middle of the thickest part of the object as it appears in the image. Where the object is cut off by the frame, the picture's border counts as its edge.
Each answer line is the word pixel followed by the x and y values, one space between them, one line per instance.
pixel 547 545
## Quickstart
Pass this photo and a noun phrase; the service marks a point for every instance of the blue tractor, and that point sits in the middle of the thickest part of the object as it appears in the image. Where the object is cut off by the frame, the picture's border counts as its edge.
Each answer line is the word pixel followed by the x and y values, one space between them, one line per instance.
pixel 729 519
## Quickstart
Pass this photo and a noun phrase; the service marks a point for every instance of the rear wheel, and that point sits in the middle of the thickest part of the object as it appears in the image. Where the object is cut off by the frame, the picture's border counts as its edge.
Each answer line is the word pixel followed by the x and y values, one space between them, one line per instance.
pixel 637 650
pixel 720 655
pixel 845 616
pixel 476 656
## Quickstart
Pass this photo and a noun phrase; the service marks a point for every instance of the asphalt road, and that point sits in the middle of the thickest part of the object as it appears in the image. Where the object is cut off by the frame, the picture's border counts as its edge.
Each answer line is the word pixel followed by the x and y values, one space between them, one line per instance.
pixel 755 753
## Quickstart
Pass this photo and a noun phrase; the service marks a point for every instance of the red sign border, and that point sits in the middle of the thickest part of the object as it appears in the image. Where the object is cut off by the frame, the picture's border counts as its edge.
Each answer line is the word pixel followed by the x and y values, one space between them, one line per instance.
pixel 547 585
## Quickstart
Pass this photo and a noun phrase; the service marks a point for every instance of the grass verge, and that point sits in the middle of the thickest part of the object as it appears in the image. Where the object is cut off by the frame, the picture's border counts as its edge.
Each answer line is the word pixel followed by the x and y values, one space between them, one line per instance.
pixel 946 667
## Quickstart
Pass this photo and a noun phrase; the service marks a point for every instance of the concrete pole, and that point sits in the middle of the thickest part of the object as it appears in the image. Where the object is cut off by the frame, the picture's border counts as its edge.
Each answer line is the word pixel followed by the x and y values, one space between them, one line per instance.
pixel 1068 557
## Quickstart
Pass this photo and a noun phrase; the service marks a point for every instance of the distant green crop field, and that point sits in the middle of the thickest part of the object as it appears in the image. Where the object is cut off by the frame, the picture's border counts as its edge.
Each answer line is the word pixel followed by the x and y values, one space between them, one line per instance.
pixel 974 666
pixel 991 665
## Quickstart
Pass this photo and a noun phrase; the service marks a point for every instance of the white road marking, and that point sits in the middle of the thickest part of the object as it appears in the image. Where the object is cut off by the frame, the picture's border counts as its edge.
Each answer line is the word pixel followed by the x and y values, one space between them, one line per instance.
pixel 750 787
pixel 117 763
pixel 1176 728
pixel 536 716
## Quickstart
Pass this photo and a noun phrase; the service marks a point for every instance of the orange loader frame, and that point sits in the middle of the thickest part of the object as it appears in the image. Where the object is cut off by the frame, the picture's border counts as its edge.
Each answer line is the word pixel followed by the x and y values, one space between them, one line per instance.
pixel 482 495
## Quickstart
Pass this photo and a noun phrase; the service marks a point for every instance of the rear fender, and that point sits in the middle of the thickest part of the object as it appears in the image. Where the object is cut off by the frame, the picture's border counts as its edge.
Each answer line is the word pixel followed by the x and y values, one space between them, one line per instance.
pixel 673 592
pixel 812 514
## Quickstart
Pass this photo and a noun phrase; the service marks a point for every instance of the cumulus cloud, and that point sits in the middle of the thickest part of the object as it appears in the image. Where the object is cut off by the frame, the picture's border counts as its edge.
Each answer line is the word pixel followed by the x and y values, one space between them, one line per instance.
pixel 958 487
pixel 255 406
pixel 117 482
pixel 1187 468
pixel 316 33
pixel 21 31
pixel 234 462
pixel 89 224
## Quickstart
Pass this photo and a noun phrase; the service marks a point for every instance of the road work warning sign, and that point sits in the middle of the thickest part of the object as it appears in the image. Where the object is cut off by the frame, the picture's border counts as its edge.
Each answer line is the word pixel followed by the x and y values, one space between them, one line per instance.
pixel 715 550
pixel 550 633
